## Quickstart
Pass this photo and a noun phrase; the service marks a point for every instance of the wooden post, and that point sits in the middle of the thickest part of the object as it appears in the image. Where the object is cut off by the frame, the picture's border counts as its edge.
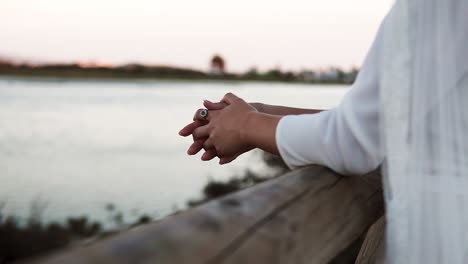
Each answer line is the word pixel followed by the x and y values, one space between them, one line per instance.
pixel 306 216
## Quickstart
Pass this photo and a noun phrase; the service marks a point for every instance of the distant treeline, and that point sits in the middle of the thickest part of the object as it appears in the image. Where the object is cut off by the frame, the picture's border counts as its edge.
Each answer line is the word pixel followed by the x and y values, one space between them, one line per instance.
pixel 332 75
pixel 76 71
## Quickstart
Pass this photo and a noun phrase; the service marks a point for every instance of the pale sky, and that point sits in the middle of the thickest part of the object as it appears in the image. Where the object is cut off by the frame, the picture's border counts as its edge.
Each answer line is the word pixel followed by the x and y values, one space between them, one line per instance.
pixel 293 34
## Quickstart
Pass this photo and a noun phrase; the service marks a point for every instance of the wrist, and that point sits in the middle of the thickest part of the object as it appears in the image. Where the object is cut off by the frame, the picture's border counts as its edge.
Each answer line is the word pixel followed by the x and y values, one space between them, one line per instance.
pixel 248 126
pixel 259 131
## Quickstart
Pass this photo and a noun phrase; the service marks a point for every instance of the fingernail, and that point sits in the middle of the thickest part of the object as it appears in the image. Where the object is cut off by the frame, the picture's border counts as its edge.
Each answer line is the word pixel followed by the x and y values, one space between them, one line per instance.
pixel 207 101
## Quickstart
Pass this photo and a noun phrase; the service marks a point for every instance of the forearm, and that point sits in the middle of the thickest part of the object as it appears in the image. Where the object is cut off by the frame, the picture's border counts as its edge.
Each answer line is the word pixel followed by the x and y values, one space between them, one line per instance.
pixel 259 131
pixel 283 110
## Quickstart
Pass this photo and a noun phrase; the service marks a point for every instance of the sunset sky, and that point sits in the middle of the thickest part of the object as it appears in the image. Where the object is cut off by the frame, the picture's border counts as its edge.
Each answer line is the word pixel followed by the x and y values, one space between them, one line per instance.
pixel 293 34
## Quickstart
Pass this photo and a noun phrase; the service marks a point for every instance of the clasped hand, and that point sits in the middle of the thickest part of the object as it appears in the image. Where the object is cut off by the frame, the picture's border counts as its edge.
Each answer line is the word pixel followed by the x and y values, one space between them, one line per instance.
pixel 222 132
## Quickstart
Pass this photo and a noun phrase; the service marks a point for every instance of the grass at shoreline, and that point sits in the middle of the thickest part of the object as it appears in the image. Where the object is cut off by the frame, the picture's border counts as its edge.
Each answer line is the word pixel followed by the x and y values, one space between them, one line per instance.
pixel 36 237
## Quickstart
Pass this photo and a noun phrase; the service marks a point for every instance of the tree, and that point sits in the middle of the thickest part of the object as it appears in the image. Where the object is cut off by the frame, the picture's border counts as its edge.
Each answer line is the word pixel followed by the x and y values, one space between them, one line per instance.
pixel 218 65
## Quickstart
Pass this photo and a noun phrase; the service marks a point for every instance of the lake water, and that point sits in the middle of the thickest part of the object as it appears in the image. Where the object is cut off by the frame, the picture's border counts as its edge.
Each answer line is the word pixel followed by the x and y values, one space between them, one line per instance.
pixel 79 145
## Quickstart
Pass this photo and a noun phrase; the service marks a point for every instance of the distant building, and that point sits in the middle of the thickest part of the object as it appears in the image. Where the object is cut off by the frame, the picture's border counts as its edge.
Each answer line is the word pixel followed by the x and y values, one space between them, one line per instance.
pixel 308 76
pixel 330 74
pixel 217 65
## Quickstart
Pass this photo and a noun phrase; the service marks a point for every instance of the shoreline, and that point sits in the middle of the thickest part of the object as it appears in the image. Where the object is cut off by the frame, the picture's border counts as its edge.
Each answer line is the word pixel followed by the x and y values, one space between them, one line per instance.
pixel 83 78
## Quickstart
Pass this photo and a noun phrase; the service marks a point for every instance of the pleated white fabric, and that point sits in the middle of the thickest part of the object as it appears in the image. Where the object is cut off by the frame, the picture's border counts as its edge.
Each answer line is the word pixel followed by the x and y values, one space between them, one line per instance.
pixel 424 121
pixel 408 107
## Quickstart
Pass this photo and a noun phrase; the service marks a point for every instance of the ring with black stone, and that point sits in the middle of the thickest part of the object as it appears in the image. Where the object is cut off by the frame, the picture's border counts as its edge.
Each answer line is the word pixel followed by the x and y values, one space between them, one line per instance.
pixel 204 113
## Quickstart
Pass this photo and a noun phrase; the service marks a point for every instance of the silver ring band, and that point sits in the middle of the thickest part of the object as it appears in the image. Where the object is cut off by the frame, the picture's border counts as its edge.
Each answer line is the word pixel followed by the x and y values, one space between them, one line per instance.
pixel 204 113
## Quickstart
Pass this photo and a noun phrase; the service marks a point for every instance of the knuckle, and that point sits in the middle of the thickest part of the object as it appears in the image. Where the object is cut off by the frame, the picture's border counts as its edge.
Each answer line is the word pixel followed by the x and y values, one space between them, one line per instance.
pixel 195 133
pixel 196 115
pixel 221 152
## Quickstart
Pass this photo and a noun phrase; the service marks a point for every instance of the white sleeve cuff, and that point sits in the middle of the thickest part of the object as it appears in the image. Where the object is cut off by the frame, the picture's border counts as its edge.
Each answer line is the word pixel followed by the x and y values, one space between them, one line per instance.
pixel 298 140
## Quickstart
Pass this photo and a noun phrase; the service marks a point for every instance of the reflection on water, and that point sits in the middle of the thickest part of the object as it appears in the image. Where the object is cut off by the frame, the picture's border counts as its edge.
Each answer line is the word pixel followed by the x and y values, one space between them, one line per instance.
pixel 79 145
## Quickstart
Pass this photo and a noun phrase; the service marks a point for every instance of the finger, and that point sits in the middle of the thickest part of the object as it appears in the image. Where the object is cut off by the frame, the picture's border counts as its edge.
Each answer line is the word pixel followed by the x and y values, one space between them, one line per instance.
pixel 188 129
pixel 209 155
pixel 195 147
pixel 198 116
pixel 208 144
pixel 205 120
pixel 230 98
pixel 214 106
pixel 201 132
pixel 225 160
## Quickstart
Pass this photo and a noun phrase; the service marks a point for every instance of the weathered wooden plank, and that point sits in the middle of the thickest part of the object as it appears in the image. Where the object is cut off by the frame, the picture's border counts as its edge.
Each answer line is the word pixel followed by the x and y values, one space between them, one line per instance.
pixel 316 227
pixel 306 216
pixel 373 248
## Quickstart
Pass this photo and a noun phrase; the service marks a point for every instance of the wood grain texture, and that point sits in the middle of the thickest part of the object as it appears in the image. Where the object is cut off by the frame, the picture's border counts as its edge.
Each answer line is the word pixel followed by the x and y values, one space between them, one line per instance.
pixel 373 248
pixel 306 216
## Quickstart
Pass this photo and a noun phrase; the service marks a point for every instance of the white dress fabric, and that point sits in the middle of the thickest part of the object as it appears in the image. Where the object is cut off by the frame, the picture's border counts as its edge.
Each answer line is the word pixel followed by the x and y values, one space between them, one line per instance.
pixel 408 110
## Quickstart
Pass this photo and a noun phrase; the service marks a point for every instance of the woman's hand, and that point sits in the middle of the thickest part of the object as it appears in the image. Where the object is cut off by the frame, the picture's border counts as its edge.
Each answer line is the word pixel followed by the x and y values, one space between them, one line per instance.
pixel 198 143
pixel 225 129
pixel 232 128
pixel 198 121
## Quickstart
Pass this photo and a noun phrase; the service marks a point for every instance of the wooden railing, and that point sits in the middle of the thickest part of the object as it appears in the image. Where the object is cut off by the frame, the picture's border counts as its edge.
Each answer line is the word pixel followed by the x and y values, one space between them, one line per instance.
pixel 310 215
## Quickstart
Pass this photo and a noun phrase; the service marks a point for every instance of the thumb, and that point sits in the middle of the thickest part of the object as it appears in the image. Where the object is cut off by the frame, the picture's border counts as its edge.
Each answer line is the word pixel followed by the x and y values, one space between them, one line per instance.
pixel 214 106
pixel 230 98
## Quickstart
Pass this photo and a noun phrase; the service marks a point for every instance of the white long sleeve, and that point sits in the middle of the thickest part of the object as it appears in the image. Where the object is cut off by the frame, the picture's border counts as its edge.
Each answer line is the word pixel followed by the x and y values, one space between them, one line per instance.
pixel 346 138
